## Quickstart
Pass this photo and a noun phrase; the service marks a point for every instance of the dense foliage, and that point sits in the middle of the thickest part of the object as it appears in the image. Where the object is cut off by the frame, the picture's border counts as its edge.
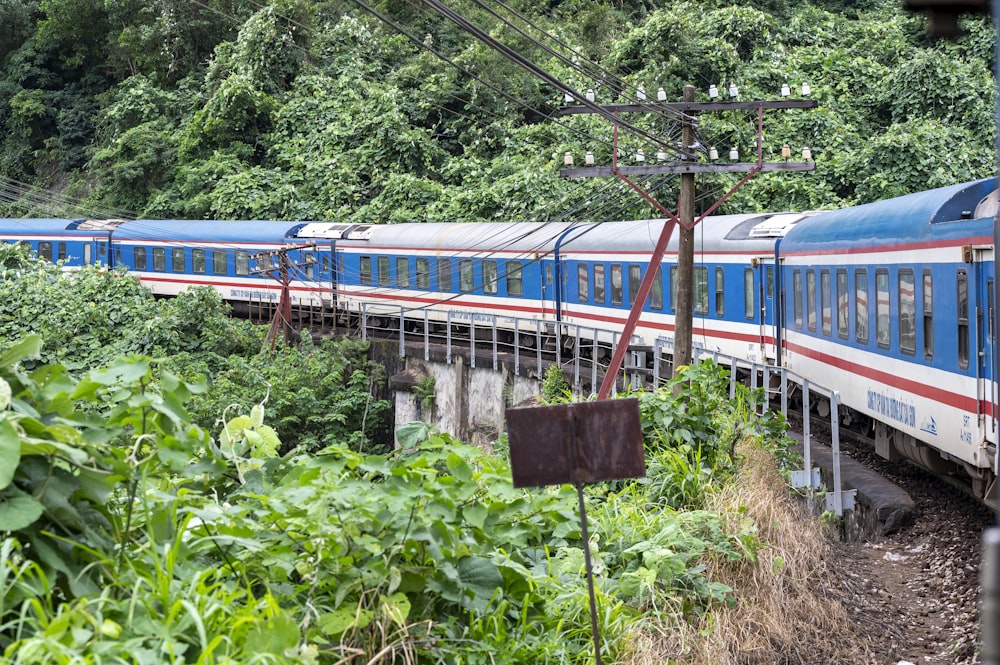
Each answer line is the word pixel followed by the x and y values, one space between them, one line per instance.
pixel 318 110
pixel 152 541
pixel 317 394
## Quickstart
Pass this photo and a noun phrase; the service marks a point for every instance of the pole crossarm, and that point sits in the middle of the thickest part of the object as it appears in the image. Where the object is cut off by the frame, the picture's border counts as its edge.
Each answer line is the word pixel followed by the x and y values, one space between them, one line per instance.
pixel 655 169
pixel 687 107
pixel 685 218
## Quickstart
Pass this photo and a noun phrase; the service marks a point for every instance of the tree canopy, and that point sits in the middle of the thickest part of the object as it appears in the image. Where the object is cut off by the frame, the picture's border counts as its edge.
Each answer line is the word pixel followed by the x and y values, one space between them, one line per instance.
pixel 324 111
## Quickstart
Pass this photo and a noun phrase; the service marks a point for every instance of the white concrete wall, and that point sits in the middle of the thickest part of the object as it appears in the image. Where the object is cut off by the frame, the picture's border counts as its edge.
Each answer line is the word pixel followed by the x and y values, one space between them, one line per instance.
pixel 468 403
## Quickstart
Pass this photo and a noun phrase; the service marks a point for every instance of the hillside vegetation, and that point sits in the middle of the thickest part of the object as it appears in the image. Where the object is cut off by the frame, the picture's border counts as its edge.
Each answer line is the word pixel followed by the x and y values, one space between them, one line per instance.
pixel 148 516
pixel 319 110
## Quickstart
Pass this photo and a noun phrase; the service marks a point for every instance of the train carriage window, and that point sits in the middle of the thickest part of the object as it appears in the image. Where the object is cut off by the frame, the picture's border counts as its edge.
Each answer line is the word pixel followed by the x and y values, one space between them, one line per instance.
pixel 750 297
pixel 45 250
pixel 325 262
pixel 309 259
pixel 616 283
pixel 720 299
pixel 599 284
pixel 87 256
pixel 365 270
pixel 963 319
pixel 159 259
pixel 811 300
pixel 242 262
pixel 515 284
pixel 490 279
pixel 797 297
pixel 403 272
pixel 198 261
pixel 770 282
pixel 177 259
pixel 423 273
pixel 61 251
pixel 990 304
pixel 384 274
pixel 118 256
pixel 444 274
pixel 928 310
pixel 843 306
pixel 701 290
pixel 634 281
pixel 139 254
pixel 907 311
pixel 861 306
pixel 825 301
pixel 466 275
pixel 219 261
pixel 583 282
pixel 882 324
pixel 673 288
pixel 656 292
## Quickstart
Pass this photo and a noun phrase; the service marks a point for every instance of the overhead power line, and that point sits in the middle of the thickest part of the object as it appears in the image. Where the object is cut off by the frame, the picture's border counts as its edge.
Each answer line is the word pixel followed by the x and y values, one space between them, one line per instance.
pixel 544 75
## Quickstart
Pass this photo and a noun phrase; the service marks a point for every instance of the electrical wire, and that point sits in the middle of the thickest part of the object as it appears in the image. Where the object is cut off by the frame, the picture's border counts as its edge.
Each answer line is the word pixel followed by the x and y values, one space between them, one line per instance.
pixel 544 75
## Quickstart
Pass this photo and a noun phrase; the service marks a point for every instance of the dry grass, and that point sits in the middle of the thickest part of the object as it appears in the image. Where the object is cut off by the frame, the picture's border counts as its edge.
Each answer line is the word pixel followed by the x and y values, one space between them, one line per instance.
pixel 787 609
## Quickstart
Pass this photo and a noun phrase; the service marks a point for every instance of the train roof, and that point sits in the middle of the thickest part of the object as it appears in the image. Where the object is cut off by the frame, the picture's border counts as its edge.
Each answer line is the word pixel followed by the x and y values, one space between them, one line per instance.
pixel 912 217
pixel 39 226
pixel 199 230
pixel 474 236
pixel 718 233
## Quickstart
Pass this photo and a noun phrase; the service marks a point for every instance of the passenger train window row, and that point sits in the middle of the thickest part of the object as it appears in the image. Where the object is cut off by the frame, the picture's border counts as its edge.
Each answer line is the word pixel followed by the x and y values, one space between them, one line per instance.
pixel 395 271
pixel 596 283
pixel 896 299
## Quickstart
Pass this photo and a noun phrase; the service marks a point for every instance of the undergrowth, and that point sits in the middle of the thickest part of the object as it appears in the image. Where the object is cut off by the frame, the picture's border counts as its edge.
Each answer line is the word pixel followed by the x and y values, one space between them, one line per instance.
pixel 140 538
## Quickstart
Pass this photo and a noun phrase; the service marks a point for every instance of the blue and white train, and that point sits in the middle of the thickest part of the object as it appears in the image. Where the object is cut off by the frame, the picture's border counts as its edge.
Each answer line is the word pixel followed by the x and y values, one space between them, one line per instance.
pixel 891 303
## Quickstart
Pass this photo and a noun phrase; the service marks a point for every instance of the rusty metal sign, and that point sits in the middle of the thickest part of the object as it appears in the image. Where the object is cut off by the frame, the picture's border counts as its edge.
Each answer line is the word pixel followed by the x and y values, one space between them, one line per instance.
pixel 577 443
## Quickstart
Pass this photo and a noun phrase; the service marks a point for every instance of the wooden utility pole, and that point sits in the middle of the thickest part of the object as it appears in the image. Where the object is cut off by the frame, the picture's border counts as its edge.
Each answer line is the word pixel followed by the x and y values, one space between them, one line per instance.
pixel 279 266
pixel 684 307
pixel 687 166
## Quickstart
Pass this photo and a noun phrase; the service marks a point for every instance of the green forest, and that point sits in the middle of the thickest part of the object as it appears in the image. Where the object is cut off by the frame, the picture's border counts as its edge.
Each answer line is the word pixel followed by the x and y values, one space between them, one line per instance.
pixel 390 112
pixel 175 491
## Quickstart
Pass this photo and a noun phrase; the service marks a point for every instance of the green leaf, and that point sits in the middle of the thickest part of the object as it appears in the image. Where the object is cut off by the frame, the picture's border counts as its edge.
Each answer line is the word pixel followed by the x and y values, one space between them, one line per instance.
pixel 257 416
pixel 10 453
pixel 19 511
pixel 480 576
pixel 343 618
pixel 459 468
pixel 476 515
pixel 273 635
pixel 411 434
pixel 269 443
pixel 29 347
pixel 5 394
pixel 397 608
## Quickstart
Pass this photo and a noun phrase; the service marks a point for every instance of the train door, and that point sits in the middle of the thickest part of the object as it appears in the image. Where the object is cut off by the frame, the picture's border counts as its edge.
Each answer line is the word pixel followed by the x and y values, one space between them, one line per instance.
pixel 550 305
pixel 985 341
pixel 765 312
pixel 326 270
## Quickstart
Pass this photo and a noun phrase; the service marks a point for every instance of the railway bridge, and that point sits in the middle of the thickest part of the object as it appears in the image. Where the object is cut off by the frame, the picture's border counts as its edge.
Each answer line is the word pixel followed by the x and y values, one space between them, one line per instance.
pixel 462 375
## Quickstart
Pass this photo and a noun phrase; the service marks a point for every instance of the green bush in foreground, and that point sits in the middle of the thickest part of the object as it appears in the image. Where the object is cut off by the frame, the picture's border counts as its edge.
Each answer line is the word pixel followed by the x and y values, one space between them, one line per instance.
pixel 206 552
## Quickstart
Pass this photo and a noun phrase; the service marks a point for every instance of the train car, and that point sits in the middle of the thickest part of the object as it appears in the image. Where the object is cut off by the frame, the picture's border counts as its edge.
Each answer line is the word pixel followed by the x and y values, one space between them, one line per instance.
pixel 240 259
pixel 434 273
pixel 891 303
pixel 72 242
pixel 734 295
pixel 570 277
